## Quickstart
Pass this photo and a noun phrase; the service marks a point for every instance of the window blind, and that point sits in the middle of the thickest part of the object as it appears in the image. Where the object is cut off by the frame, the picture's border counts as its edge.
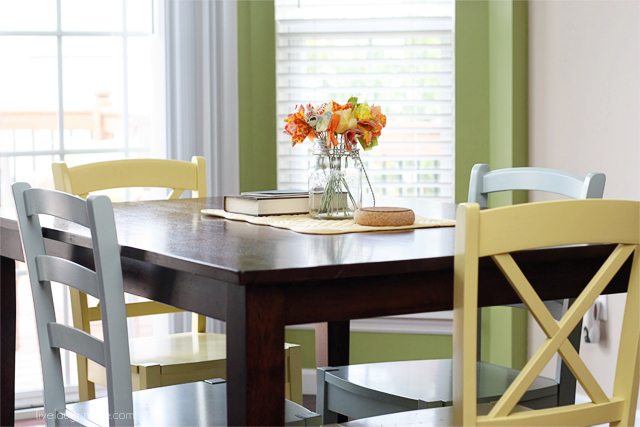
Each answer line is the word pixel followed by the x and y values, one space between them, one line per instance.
pixel 396 54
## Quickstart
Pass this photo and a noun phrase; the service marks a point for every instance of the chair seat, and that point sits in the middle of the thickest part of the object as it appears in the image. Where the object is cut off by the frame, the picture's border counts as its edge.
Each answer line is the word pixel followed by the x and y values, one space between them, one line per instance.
pixel 202 403
pixel 436 417
pixel 177 349
pixel 181 357
pixel 372 389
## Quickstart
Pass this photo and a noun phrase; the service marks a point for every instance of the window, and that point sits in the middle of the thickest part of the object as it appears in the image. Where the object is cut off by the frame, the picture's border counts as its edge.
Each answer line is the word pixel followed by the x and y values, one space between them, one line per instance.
pixel 79 83
pixel 398 55
pixel 76 85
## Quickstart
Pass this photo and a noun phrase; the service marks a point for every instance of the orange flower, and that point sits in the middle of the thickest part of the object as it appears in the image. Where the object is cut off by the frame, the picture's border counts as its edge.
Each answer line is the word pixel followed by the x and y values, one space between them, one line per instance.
pixel 370 132
pixel 376 112
pixel 338 107
pixel 331 130
pixel 350 137
pixel 297 127
pixel 371 126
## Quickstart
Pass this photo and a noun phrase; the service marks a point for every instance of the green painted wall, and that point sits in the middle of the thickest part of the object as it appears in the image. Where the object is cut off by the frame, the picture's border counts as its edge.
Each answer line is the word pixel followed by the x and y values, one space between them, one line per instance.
pixel 377 347
pixel 471 91
pixel 257 94
pixel 504 336
pixel 491 85
pixel 508 82
pixel 490 127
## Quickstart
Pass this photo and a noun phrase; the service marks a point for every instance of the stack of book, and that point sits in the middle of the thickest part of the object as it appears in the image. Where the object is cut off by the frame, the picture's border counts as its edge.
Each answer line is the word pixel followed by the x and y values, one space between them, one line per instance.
pixel 269 202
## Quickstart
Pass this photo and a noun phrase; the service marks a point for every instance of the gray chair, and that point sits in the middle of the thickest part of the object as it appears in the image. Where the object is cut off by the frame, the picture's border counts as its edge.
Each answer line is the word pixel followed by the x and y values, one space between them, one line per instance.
pixel 371 389
pixel 484 181
pixel 199 403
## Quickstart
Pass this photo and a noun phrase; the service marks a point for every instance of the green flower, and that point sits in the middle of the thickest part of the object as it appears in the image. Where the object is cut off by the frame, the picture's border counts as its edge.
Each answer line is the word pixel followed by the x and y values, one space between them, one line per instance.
pixel 362 112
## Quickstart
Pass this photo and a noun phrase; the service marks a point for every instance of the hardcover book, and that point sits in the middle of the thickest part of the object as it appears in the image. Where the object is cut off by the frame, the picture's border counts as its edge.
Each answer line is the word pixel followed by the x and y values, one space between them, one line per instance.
pixel 270 202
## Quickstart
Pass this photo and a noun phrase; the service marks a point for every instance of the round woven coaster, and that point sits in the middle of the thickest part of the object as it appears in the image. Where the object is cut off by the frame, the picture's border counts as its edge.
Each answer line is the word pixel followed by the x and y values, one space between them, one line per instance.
pixel 384 216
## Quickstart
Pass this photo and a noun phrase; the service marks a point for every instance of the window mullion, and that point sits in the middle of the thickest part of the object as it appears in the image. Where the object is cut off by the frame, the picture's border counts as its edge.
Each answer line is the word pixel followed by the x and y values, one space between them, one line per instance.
pixel 60 80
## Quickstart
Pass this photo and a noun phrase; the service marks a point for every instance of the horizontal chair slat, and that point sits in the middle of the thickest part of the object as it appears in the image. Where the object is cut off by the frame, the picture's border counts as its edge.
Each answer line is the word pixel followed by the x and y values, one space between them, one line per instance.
pixel 76 340
pixel 134 309
pixel 589 413
pixel 56 203
pixel 576 217
pixel 133 173
pixel 64 271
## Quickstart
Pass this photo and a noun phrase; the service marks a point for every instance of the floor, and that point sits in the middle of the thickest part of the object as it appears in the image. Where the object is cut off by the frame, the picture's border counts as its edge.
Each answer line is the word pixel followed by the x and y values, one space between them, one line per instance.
pixel 309 402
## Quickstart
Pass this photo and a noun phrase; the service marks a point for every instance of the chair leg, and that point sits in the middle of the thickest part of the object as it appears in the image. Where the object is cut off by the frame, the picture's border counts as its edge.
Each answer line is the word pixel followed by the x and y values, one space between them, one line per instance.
pixel 328 416
pixel 79 311
pixel 86 389
pixel 294 369
pixel 149 377
pixel 198 323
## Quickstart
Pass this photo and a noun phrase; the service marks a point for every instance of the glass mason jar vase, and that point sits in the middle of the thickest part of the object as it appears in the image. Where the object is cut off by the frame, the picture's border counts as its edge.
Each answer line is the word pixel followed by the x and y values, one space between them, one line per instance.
pixel 335 182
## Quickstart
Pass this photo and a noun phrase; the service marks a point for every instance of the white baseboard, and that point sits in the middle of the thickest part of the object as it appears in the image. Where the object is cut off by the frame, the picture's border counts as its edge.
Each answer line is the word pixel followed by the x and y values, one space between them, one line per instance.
pixel 438 323
pixel 309 381
pixel 29 414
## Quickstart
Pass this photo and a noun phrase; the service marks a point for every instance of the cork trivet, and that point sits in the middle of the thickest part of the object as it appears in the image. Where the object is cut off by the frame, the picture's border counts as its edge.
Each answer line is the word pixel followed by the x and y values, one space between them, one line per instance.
pixel 384 216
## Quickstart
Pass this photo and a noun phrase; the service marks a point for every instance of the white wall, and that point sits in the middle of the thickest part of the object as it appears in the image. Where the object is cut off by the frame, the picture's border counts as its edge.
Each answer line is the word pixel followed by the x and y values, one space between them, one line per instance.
pixel 584 111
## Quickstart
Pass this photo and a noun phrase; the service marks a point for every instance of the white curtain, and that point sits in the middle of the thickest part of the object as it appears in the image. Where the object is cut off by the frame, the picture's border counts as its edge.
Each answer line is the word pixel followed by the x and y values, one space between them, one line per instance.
pixel 202 96
pixel 202 87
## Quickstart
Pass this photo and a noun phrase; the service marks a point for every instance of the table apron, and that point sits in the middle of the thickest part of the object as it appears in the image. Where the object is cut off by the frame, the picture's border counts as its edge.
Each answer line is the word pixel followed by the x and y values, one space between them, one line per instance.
pixel 181 289
pixel 10 244
pixel 433 291
pixel 178 288
pixel 346 298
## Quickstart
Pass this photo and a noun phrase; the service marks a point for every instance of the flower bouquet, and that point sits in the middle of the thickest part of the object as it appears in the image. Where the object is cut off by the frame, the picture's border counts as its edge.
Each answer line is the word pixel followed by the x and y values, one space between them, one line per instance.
pixel 337 130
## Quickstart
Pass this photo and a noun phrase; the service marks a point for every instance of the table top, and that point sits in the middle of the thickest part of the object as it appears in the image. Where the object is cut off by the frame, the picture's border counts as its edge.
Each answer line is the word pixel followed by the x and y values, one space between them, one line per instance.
pixel 173 233
pixel 174 254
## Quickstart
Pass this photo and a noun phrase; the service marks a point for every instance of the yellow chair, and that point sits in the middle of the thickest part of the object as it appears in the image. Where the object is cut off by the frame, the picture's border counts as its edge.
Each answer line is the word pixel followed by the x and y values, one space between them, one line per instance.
pixel 174 358
pixel 496 233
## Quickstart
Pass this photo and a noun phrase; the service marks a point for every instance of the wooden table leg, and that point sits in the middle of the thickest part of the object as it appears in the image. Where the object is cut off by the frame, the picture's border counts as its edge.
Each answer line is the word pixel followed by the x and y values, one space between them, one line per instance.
pixel 255 356
pixel 332 343
pixel 7 340
pixel 332 349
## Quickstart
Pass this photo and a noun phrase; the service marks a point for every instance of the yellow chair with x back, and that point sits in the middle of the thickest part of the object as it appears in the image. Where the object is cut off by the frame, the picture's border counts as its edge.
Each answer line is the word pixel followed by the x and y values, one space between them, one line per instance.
pixel 497 234
pixel 173 358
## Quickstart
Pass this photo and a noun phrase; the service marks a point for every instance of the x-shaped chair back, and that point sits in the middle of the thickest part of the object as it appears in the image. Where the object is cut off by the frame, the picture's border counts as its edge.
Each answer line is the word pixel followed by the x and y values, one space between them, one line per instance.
pixel 497 233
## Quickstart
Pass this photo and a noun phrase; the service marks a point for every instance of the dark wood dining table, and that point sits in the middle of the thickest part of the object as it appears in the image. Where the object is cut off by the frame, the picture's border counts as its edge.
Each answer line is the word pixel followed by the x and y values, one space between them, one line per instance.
pixel 259 279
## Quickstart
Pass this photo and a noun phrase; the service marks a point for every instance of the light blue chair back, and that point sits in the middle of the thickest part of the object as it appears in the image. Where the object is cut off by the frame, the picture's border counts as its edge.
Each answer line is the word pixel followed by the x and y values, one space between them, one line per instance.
pixel 105 284
pixel 484 181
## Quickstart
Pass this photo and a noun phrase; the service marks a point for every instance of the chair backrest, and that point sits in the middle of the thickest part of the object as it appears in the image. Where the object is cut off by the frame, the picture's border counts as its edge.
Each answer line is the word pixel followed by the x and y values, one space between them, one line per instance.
pixel 498 232
pixel 484 181
pixel 176 175
pixel 105 283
